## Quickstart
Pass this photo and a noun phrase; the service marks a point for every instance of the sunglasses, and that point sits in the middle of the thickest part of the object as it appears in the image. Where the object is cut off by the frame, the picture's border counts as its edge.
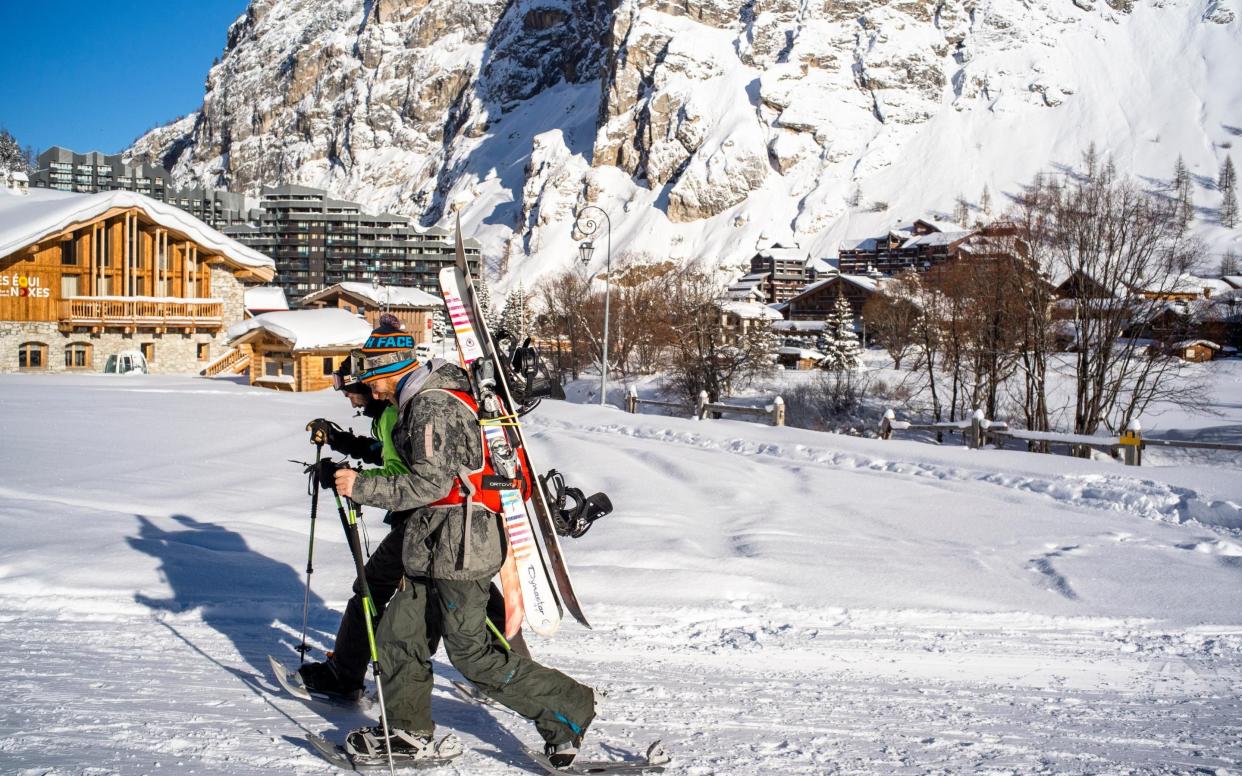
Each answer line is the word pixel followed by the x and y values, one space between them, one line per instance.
pixel 357 364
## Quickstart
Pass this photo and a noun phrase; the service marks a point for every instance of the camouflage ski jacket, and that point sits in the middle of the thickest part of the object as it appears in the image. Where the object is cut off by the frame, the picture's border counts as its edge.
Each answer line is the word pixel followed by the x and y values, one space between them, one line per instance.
pixel 437 436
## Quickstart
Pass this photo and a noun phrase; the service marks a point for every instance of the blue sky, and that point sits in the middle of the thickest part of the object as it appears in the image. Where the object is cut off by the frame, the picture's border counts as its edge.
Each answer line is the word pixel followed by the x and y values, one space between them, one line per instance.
pixel 93 75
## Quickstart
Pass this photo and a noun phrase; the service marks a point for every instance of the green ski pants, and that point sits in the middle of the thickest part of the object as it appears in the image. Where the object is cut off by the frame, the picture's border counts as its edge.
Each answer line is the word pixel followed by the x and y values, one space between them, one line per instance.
pixel 560 707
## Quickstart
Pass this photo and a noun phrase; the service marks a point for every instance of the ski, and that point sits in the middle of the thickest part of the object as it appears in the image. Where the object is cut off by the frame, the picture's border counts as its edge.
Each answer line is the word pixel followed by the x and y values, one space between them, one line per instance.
pixel 336 755
pixel 654 762
pixel 540 607
pixel 292 683
pixel 539 512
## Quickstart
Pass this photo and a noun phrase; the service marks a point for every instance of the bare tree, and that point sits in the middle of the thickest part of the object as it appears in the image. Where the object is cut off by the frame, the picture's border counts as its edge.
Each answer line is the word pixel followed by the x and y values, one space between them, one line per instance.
pixel 891 318
pixel 700 357
pixel 1121 248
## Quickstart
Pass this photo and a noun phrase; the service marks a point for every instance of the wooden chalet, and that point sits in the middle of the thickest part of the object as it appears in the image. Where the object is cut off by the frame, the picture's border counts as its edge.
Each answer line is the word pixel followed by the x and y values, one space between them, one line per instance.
pixel 412 306
pixel 297 350
pixel 817 300
pixel 83 277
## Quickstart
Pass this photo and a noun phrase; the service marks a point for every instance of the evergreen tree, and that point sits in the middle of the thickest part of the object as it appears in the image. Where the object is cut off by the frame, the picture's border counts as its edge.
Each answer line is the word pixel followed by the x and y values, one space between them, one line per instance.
pixel 1228 185
pixel 484 293
pixel 985 201
pixel 961 210
pixel 1182 189
pixel 12 157
pixel 841 347
pixel 856 196
pixel 439 324
pixel 516 318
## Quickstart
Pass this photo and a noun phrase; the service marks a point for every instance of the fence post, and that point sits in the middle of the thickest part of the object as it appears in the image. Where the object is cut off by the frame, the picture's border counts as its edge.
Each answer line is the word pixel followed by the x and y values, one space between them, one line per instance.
pixel 631 400
pixel 778 411
pixel 1132 444
pixel 701 410
pixel 976 430
pixel 886 425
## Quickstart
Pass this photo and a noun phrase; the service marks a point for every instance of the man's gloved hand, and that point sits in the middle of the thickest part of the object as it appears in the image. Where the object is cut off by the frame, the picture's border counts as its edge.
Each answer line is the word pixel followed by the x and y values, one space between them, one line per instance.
pixel 322 431
pixel 325 472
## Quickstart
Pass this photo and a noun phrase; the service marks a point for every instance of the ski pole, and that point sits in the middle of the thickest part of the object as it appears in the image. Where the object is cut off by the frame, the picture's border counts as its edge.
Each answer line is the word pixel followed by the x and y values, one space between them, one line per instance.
pixel 310 551
pixel 368 613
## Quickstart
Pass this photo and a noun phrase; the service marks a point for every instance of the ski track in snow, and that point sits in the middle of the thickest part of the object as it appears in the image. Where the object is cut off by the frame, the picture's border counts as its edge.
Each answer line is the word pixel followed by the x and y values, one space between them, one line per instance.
pixel 141 592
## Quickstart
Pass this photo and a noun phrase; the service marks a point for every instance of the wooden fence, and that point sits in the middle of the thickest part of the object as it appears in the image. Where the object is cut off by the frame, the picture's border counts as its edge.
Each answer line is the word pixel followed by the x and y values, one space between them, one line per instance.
pixel 978 431
pixel 775 410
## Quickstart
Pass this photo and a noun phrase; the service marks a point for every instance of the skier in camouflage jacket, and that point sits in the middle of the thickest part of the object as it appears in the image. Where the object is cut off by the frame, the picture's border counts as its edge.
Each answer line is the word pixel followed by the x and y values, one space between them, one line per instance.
pixel 438 435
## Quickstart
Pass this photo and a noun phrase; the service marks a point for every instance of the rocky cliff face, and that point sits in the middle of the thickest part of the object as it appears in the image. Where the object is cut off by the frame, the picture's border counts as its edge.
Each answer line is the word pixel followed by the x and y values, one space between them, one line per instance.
pixel 701 126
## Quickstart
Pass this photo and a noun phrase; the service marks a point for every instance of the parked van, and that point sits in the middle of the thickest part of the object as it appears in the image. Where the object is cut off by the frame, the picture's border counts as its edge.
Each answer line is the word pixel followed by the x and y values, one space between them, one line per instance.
pixel 126 362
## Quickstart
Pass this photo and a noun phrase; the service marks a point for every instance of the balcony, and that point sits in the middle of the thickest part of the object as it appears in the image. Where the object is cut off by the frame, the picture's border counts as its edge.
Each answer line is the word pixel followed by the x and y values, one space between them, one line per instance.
pixel 140 313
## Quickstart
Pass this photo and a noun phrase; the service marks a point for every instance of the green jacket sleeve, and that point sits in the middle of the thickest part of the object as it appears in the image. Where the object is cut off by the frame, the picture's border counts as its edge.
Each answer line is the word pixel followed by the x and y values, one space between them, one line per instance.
pixel 383 428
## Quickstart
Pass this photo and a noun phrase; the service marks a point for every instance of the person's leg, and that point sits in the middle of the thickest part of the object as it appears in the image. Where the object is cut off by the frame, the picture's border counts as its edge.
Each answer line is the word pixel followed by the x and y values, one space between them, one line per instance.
pixel 405 660
pixel 496 613
pixel 351 654
pixel 560 707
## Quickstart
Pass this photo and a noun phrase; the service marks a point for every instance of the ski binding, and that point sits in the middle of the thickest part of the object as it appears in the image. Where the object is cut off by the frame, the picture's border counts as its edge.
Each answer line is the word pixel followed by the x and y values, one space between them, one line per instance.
pixel 654 762
pixel 336 755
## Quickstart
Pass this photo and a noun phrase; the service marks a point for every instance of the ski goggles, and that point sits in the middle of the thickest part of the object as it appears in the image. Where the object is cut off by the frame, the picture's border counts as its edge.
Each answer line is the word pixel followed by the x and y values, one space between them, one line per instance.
pixel 362 366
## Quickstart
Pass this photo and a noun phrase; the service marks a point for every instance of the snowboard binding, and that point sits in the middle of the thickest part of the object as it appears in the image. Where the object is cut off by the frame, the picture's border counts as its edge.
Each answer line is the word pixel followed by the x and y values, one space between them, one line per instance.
pixel 525 372
pixel 572 512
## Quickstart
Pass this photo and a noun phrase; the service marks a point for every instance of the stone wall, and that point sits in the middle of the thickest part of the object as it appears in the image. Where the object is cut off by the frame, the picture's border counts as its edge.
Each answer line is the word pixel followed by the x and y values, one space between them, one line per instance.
pixel 175 352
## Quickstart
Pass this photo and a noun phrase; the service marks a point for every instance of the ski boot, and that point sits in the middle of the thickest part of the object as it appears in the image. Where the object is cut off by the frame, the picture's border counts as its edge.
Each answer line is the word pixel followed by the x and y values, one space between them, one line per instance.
pixel 323 679
pixel 562 755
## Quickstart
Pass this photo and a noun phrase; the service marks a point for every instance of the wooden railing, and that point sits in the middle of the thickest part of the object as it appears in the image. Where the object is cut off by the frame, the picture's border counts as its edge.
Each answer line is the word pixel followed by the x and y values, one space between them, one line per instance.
pixel 141 313
pixel 233 361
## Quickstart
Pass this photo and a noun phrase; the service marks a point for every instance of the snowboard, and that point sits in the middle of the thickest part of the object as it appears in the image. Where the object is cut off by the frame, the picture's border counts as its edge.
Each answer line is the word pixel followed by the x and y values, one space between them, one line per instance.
pixel 289 680
pixel 654 762
pixel 473 336
pixel 540 605
pixel 336 755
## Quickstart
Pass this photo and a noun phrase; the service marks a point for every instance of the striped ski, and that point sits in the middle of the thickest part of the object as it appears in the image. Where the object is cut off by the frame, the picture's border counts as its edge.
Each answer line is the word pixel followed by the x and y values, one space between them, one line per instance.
pixel 540 607
pixel 538 509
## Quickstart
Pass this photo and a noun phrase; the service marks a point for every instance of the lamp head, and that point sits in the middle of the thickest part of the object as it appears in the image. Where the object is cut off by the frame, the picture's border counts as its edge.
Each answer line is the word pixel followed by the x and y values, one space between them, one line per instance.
pixel 585 251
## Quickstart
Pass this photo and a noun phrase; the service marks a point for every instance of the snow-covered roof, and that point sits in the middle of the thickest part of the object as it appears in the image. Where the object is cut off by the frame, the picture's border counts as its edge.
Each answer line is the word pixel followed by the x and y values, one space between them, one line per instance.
pixel 798 326
pixel 1186 284
pixel 936 238
pixel 814 355
pixel 323 328
pixel 266 298
pixel 45 212
pixel 18 175
pixel 1233 280
pixel 781 252
pixel 942 226
pixel 865 282
pixel 751 311
pixel 823 266
pixel 392 296
pixel 1193 342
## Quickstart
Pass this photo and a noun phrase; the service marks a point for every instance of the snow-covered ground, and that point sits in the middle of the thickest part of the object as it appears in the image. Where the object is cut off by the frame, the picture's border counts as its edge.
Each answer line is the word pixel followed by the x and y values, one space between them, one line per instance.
pixel 766 600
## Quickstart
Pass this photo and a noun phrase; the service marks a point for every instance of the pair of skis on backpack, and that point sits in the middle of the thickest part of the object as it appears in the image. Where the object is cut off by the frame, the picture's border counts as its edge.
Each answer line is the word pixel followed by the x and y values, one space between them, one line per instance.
pixel 445 751
pixel 542 578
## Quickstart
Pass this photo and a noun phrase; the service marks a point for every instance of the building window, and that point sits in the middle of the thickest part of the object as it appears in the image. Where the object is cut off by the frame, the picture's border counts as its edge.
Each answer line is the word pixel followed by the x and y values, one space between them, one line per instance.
pixel 78 356
pixel 204 351
pixel 69 286
pixel 32 355
pixel 148 352
pixel 69 252
pixel 327 366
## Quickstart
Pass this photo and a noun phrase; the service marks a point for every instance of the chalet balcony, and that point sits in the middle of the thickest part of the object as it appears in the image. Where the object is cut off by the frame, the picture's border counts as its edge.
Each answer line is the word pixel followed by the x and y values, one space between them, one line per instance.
pixel 133 313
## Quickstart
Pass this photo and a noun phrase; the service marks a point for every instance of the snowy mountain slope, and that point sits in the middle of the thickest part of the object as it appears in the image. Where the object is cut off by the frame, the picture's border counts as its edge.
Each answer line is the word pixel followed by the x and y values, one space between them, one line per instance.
pixel 763 598
pixel 703 126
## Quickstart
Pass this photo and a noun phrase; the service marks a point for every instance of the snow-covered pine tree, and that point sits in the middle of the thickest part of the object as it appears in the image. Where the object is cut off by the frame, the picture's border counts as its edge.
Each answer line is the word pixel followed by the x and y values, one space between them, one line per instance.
pixel 484 293
pixel 1183 191
pixel 1228 185
pixel 516 318
pixel 985 202
pixel 841 347
pixel 856 196
pixel 439 324
pixel 12 157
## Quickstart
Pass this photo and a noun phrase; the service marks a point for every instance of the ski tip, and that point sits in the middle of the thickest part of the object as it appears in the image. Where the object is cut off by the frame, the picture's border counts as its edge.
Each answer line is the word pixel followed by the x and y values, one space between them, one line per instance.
pixel 283 674
pixel 657 754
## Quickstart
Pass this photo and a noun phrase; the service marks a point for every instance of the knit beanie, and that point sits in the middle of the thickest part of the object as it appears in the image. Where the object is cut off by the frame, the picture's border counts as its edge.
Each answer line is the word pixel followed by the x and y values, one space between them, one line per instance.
pixel 389 339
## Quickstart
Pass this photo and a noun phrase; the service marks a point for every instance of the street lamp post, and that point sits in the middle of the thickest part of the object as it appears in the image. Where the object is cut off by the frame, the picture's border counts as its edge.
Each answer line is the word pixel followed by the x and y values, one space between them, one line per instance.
pixel 587 225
